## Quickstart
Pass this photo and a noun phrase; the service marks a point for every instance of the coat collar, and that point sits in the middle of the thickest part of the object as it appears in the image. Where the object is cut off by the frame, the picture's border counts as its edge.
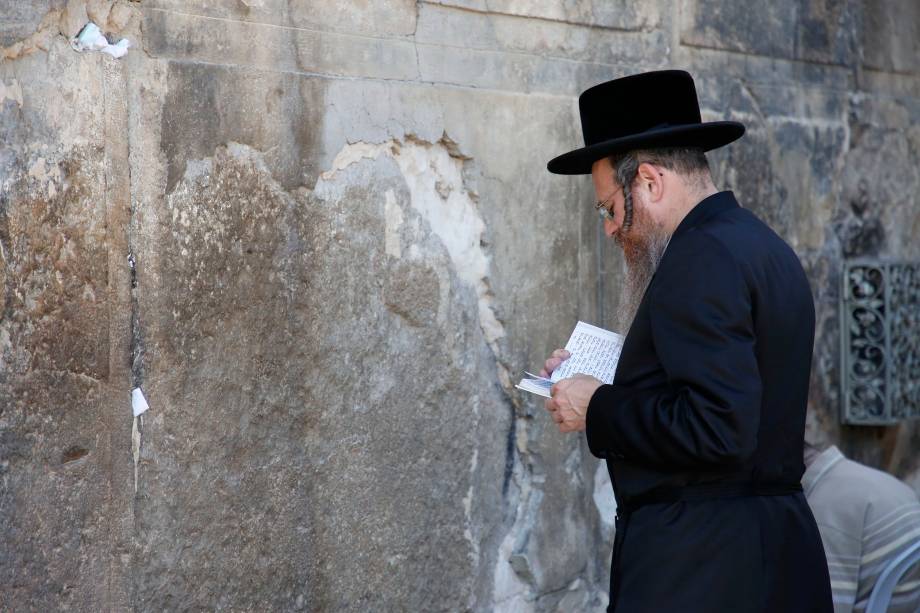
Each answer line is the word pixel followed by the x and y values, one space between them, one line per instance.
pixel 823 463
pixel 706 208
pixel 709 206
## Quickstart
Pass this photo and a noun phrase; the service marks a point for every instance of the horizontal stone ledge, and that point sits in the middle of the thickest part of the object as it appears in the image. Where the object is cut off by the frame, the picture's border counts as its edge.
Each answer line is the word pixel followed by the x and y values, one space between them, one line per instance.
pixel 222 41
pixel 464 29
pixel 393 18
pixel 516 72
pixel 623 15
pixel 762 69
pixel 784 100
pixel 894 84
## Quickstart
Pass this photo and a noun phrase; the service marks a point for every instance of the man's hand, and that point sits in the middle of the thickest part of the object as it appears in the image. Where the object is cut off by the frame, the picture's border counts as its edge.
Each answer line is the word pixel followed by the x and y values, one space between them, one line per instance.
pixel 558 357
pixel 569 403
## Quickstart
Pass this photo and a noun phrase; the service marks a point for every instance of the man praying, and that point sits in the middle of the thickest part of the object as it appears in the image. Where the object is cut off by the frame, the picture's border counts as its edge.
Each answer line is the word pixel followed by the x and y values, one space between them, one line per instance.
pixel 702 428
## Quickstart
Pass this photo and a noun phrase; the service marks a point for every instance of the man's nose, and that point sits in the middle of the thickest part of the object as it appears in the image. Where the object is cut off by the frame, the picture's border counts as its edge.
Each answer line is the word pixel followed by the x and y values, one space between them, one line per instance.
pixel 611 226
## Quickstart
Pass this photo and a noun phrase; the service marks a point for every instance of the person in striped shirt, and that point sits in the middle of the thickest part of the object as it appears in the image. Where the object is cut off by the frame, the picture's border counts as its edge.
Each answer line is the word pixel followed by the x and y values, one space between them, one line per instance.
pixel 866 518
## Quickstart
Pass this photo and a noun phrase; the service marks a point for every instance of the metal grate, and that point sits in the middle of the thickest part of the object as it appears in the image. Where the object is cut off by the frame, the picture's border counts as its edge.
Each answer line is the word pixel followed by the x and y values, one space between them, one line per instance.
pixel 880 342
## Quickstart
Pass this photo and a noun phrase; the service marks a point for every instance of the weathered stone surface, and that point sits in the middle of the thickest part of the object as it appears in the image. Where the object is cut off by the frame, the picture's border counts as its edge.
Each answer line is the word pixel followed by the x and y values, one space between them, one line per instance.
pixel 199 38
pixel 375 17
pixel 279 114
pixel 877 217
pixel 345 249
pixel 620 15
pixel 785 167
pixel 357 449
pixel 462 30
pixel 822 31
pixel 62 374
pixel 20 19
pixel 891 36
pixel 502 61
pixel 417 298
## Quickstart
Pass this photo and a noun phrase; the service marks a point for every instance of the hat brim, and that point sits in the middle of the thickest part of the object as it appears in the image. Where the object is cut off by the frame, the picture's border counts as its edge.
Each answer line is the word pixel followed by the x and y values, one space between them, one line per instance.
pixel 706 136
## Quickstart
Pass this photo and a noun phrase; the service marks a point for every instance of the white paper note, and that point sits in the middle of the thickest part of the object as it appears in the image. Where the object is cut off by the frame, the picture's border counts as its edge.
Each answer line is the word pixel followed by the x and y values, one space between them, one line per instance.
pixel 138 402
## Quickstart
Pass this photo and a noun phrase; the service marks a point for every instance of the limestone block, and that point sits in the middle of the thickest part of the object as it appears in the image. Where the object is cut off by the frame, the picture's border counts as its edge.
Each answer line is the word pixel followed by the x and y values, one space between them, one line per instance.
pixel 73 17
pixel 822 31
pixel 365 449
pixel 823 423
pixel 786 166
pixel 98 11
pixel 620 15
pixel 891 36
pixel 119 16
pixel 363 260
pixel 764 98
pixel 459 29
pixel 224 41
pixel 57 364
pixel 20 19
pixel 512 72
pixel 875 217
pixel 377 17
pixel 499 65
pixel 277 113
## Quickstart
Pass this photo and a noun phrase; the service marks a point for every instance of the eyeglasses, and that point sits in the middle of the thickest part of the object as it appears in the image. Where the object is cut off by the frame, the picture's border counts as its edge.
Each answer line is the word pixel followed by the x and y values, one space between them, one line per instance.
pixel 603 208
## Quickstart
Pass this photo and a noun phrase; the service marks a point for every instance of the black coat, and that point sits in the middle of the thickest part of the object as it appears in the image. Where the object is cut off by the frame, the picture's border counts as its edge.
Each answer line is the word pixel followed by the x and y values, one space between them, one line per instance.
pixel 712 388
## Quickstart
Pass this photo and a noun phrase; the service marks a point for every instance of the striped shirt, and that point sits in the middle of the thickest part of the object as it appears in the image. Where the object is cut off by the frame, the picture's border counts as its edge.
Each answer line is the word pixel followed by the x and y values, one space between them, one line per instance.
pixel 866 518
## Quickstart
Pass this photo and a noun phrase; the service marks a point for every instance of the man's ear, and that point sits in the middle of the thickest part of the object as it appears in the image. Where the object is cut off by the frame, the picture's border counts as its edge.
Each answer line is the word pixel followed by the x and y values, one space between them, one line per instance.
pixel 650 181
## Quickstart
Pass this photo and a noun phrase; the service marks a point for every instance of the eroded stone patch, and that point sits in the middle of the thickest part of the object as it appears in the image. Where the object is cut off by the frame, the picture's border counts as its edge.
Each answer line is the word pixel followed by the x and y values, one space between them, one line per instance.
pixel 301 358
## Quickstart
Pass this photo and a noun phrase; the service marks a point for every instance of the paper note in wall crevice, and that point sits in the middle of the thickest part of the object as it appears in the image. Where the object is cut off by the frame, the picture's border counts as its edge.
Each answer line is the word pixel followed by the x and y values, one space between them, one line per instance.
pixel 594 351
pixel 138 402
pixel 91 38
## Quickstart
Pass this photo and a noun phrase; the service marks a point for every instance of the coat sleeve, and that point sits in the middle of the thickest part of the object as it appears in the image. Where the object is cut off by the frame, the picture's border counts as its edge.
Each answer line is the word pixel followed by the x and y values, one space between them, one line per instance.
pixel 708 414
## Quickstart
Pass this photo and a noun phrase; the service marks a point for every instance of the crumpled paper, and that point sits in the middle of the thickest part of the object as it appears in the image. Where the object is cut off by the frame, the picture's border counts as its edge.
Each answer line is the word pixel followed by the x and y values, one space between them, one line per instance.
pixel 91 38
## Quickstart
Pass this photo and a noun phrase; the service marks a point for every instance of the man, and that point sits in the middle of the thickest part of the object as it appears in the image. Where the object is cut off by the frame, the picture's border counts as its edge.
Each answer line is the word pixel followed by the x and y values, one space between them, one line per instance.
pixel 867 518
pixel 703 426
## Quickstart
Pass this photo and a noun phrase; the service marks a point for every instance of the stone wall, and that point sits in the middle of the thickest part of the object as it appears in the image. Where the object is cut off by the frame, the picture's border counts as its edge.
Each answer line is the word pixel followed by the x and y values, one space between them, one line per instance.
pixel 321 238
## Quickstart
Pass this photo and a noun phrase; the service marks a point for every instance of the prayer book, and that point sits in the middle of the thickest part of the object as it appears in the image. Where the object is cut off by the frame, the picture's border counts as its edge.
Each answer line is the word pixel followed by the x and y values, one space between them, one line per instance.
pixel 595 352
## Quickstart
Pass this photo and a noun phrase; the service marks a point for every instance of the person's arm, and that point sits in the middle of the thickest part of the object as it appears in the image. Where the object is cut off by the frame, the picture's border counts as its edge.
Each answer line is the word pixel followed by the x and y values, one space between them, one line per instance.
pixel 702 328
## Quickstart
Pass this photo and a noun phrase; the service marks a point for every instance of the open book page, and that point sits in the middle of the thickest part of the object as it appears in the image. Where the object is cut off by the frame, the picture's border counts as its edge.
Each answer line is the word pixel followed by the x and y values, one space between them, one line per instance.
pixel 536 385
pixel 595 352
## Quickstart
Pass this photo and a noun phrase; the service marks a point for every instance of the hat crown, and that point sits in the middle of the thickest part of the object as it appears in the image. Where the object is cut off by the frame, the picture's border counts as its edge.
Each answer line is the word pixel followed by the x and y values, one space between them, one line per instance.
pixel 638 103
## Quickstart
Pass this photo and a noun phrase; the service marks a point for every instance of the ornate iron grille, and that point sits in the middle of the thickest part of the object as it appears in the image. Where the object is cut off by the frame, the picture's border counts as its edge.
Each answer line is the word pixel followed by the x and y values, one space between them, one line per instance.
pixel 880 342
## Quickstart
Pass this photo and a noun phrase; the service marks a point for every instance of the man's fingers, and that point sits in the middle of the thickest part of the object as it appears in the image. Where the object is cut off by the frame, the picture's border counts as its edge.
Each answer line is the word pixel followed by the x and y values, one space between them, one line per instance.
pixel 555 413
pixel 556 358
pixel 558 387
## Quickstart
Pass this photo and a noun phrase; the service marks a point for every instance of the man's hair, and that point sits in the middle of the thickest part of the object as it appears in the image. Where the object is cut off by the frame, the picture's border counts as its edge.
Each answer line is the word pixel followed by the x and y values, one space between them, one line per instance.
pixel 687 161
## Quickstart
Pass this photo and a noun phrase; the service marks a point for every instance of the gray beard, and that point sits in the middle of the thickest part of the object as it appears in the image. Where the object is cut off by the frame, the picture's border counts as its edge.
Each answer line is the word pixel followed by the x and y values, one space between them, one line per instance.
pixel 639 268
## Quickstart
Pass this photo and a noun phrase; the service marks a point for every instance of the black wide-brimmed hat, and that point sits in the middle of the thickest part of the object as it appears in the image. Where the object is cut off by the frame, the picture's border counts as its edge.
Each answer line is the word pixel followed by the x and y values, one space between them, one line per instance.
pixel 643 111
